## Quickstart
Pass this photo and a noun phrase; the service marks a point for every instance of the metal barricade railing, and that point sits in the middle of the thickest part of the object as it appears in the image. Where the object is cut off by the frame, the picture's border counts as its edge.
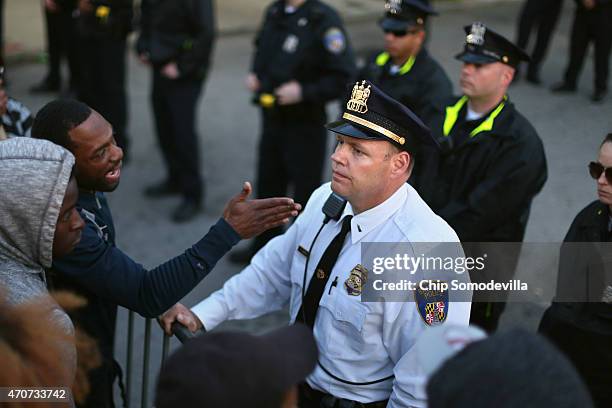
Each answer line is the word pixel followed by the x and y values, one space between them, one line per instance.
pixel 180 332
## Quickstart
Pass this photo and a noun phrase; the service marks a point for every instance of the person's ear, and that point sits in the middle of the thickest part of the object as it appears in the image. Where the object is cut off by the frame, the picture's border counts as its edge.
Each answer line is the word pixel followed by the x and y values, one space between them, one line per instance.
pixel 400 164
pixel 508 75
pixel 421 36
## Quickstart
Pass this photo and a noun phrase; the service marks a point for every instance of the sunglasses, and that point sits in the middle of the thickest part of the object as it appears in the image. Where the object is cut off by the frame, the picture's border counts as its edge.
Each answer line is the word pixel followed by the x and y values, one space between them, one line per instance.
pixel 595 170
pixel 400 33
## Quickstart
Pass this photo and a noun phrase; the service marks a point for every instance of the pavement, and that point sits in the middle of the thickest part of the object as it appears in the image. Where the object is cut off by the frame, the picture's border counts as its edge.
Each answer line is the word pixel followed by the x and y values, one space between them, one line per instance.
pixel 570 126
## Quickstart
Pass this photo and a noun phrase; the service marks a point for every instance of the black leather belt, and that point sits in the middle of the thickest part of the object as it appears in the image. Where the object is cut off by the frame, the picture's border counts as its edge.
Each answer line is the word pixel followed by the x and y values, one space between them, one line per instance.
pixel 311 398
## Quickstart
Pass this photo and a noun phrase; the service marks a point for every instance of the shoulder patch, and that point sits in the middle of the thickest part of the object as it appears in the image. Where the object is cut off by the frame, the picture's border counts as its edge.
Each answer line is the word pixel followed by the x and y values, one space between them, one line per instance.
pixel 432 302
pixel 334 40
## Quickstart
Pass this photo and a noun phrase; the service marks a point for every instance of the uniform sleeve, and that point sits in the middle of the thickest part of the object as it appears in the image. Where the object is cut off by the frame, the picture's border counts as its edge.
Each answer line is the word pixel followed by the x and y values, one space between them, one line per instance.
pixel 400 335
pixel 196 56
pixel 437 90
pixel 258 62
pixel 111 274
pixel 517 174
pixel 143 44
pixel 337 65
pixel 401 330
pixel 263 287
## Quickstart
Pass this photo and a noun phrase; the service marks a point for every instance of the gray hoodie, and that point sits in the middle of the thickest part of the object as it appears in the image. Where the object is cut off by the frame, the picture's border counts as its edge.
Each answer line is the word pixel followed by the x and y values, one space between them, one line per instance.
pixel 34 175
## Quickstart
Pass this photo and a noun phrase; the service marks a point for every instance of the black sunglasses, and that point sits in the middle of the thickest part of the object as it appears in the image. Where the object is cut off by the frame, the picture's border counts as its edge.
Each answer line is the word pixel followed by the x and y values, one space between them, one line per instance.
pixel 595 170
pixel 400 33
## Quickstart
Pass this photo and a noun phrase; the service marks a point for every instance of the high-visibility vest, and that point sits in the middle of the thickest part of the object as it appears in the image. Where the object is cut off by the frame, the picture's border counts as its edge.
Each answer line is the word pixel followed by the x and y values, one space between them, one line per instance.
pixel 452 114
pixel 383 58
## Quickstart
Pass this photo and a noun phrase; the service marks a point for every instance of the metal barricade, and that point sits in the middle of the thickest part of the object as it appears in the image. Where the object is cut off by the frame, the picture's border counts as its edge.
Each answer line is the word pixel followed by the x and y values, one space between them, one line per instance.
pixel 179 331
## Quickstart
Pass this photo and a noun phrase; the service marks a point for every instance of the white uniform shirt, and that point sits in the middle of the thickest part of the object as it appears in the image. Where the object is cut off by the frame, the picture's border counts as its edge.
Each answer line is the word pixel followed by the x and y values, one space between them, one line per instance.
pixel 357 341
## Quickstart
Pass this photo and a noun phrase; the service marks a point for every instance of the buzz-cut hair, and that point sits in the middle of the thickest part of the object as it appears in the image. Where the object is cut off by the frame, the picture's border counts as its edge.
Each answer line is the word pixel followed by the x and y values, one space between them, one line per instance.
pixel 57 118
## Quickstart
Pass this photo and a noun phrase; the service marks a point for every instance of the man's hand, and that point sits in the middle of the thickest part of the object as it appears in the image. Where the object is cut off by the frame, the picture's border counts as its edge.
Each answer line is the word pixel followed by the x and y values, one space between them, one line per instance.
pixel 85 7
pixel 289 93
pixel 144 58
pixel 252 217
pixel 589 4
pixel 170 70
pixel 51 6
pixel 252 82
pixel 179 313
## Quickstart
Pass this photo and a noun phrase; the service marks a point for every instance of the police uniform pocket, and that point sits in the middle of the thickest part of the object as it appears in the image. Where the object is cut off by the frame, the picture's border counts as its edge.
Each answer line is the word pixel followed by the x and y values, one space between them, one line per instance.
pixel 345 330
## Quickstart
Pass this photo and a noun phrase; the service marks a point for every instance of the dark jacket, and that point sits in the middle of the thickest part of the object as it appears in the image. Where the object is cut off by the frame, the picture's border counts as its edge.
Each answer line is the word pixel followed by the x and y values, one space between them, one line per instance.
pixel 422 85
pixel 99 271
pixel 599 5
pixel 309 46
pixel 483 186
pixel 585 272
pixel 178 30
pixel 110 19
pixel 98 266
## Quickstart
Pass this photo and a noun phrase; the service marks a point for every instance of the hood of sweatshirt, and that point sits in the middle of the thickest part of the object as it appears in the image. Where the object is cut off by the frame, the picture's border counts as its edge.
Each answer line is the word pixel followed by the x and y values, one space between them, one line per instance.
pixel 34 175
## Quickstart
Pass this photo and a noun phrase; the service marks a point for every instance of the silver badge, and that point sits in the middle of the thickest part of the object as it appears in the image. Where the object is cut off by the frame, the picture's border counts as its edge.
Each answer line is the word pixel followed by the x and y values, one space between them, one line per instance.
pixel 291 44
pixel 607 295
pixel 476 35
pixel 302 22
pixel 393 6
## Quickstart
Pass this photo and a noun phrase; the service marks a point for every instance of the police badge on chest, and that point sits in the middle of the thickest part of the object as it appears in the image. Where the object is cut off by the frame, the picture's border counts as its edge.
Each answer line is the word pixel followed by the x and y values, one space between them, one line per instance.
pixel 354 283
pixel 291 43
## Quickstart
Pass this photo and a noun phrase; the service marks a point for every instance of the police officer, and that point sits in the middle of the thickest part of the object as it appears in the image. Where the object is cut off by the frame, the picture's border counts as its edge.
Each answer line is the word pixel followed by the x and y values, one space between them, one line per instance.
pixel 302 61
pixel 318 269
pixel 177 41
pixel 61 42
pixel 579 322
pixel 492 161
pixel 591 24
pixel 544 15
pixel 405 70
pixel 103 27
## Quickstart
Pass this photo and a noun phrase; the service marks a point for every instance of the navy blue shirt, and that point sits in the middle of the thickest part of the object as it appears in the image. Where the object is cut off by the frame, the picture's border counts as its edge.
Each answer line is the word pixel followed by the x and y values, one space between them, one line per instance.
pixel 105 276
pixel 98 266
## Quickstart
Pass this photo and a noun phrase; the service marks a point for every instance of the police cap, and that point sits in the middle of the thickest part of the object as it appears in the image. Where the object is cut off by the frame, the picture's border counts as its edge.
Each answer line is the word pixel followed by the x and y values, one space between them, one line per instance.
pixel 404 14
pixel 371 114
pixel 485 46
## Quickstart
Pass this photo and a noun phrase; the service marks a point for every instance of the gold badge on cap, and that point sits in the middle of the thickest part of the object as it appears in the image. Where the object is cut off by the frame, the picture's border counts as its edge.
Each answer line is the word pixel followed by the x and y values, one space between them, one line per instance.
pixel 476 35
pixel 354 283
pixel 359 98
pixel 393 6
pixel 505 59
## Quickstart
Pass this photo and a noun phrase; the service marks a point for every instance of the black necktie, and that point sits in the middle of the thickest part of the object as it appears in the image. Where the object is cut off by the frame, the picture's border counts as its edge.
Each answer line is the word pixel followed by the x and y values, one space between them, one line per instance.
pixel 308 311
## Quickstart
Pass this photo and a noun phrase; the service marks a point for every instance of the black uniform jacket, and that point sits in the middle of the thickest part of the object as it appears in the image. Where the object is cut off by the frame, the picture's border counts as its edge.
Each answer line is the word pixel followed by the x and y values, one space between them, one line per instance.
pixel 483 186
pixel 108 19
pixel 599 4
pixel 421 85
pixel 178 30
pixel 584 272
pixel 310 46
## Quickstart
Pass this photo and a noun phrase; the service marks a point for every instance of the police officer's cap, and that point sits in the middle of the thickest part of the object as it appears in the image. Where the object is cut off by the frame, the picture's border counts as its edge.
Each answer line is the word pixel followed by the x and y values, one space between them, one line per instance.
pixel 404 14
pixel 485 46
pixel 371 114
